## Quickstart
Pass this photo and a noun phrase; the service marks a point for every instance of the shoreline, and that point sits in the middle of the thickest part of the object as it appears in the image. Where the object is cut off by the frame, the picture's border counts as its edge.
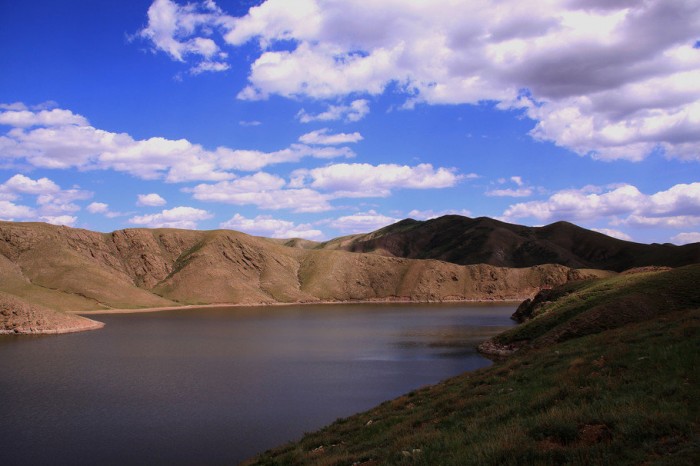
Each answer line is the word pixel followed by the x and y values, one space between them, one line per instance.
pixel 94 325
pixel 300 303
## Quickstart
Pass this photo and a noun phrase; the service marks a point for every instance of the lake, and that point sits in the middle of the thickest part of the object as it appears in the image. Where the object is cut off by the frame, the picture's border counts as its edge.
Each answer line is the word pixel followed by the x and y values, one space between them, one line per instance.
pixel 218 385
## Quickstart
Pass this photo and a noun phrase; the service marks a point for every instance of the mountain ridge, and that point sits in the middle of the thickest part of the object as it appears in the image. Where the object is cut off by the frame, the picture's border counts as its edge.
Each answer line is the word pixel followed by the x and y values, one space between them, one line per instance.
pixel 70 269
pixel 464 240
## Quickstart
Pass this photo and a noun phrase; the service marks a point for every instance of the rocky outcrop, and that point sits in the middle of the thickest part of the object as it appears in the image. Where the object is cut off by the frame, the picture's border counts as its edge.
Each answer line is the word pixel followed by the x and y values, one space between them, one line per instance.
pixel 20 317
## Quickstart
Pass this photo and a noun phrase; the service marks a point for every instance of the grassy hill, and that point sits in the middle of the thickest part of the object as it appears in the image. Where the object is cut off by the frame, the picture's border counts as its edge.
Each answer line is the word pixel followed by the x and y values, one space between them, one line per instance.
pixel 483 240
pixel 605 374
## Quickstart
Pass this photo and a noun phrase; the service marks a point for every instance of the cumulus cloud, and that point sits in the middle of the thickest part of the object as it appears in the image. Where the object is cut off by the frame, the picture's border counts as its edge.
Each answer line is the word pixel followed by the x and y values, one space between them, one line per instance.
pixel 9 211
pixel 676 207
pixel 631 88
pixel 430 214
pixel 312 190
pixel 103 209
pixel 365 180
pixel 322 137
pixel 52 202
pixel 177 217
pixel 266 225
pixel 520 190
pixel 686 237
pixel 361 222
pixel 613 233
pixel 266 191
pixel 67 220
pixel 508 192
pixel 70 142
pixel 151 199
pixel 180 31
pixel 355 111
pixel 97 208
pixel 24 118
pixel 251 160
pixel 23 184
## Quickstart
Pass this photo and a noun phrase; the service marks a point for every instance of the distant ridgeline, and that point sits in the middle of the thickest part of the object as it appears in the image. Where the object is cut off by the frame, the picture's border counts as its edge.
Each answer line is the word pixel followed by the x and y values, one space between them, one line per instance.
pixel 69 269
pixel 483 240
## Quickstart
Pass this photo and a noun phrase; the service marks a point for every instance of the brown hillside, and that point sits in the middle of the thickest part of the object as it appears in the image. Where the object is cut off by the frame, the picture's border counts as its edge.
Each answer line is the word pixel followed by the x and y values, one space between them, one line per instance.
pixel 20 317
pixel 70 269
pixel 463 240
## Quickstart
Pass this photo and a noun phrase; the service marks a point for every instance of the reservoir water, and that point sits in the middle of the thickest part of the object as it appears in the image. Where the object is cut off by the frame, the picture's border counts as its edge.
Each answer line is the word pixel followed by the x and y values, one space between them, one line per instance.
pixel 216 386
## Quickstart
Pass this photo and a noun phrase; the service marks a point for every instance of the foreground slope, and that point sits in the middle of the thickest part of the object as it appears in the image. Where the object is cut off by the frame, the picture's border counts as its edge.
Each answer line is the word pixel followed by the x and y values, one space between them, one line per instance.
pixel 624 393
pixel 463 240
pixel 70 269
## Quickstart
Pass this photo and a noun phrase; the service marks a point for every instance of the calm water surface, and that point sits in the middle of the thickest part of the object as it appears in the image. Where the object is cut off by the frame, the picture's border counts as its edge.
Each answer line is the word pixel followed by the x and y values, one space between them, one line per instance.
pixel 215 386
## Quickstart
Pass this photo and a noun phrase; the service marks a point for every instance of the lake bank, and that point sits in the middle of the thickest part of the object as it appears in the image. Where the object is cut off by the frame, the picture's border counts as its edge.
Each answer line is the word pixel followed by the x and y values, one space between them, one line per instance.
pixel 514 302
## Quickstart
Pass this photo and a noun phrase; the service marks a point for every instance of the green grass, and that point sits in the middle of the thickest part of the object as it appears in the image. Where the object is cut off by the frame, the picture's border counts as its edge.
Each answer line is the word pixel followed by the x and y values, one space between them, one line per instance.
pixel 612 302
pixel 628 395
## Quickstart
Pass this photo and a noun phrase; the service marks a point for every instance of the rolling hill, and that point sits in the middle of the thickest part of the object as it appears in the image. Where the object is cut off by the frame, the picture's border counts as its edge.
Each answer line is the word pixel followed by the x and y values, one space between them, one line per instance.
pixel 68 269
pixel 483 240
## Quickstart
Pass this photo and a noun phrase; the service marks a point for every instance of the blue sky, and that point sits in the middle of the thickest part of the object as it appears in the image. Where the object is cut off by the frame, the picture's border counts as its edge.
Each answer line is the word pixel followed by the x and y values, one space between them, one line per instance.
pixel 318 118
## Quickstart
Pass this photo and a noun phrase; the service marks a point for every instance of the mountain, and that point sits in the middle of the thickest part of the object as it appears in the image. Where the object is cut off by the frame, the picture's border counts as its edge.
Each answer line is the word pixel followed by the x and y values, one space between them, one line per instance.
pixel 68 269
pixel 483 240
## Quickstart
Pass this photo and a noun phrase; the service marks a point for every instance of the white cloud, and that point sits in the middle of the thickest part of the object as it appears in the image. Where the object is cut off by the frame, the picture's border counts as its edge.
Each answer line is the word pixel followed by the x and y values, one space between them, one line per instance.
pixel 177 217
pixel 251 160
pixel 322 137
pixel 355 111
pixel 102 208
pixel 266 225
pixel 613 233
pixel 151 199
pixel 170 29
pixel 263 190
pixel 247 123
pixel 361 222
pixel 25 185
pixel 10 211
pixel 521 189
pixel 209 66
pixel 520 192
pixel 67 220
pixel 82 146
pixel 365 180
pixel 303 192
pixel 686 237
pixel 673 221
pixel 51 201
pixel 97 208
pixel 632 86
pixel 430 214
pixel 676 207
pixel 25 118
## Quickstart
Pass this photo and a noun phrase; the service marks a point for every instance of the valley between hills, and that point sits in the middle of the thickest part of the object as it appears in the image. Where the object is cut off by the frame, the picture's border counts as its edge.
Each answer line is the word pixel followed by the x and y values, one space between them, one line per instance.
pixel 49 273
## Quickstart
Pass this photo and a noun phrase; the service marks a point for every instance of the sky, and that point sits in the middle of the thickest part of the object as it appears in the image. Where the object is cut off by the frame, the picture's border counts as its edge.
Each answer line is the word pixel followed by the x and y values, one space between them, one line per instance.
pixel 322 118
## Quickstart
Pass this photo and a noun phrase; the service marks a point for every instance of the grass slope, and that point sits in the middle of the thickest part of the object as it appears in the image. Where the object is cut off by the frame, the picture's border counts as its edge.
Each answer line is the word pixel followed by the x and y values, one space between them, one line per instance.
pixel 625 395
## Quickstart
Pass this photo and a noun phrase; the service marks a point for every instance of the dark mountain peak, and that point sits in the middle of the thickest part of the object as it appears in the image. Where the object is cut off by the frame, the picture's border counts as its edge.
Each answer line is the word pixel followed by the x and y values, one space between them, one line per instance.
pixel 464 240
